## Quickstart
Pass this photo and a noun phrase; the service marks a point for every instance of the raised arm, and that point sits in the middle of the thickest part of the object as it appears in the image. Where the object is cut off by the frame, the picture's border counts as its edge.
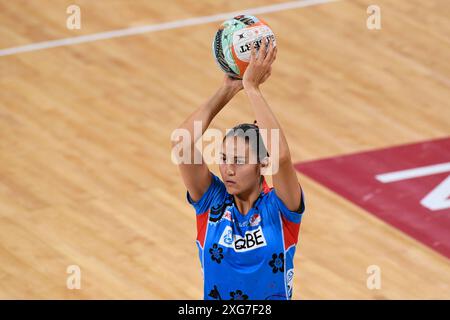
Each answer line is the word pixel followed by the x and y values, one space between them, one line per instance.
pixel 284 180
pixel 197 177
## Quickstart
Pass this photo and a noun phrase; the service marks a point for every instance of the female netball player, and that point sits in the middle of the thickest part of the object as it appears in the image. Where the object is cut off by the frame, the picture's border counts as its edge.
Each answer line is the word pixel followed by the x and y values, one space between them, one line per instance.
pixel 246 232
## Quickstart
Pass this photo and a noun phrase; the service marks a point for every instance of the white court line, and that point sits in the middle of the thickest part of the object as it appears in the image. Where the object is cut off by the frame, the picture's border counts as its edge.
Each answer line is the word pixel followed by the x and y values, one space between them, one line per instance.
pixel 413 173
pixel 158 27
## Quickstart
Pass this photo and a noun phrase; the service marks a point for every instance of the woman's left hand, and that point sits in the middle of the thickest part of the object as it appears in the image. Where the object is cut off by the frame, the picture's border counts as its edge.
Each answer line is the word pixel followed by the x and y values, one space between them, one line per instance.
pixel 260 67
pixel 232 84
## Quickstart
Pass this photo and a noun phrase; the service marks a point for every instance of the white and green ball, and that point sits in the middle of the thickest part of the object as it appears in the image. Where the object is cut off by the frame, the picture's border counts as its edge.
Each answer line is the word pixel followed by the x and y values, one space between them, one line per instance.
pixel 233 40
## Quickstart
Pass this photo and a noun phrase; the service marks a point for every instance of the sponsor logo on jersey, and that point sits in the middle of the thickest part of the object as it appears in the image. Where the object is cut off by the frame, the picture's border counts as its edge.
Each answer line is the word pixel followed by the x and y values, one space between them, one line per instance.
pixel 290 281
pixel 243 224
pixel 224 216
pixel 255 220
pixel 228 236
pixel 251 240
pixel 227 216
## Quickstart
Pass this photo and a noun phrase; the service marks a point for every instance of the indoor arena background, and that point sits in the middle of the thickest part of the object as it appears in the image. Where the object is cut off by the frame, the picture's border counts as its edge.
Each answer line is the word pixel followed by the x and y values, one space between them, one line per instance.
pixel 88 188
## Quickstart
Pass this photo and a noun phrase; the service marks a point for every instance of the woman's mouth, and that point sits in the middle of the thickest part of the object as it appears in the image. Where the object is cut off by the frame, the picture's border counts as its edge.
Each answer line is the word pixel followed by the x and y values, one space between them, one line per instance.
pixel 230 183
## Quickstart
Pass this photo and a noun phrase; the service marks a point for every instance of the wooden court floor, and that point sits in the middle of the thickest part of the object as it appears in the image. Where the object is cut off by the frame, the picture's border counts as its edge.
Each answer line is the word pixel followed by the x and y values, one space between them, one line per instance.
pixel 86 176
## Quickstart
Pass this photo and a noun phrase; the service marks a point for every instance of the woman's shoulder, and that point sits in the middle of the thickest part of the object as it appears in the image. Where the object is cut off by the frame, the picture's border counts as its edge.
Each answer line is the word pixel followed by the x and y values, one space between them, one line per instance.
pixel 213 198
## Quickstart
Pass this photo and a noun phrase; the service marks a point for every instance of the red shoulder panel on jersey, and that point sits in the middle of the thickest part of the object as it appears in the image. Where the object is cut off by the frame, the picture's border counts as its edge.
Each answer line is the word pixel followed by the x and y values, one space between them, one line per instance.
pixel 202 222
pixel 290 232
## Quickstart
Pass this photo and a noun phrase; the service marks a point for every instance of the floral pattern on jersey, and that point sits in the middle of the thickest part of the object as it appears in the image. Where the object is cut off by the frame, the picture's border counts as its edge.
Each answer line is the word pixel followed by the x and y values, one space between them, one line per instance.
pixel 214 293
pixel 218 210
pixel 238 295
pixel 216 253
pixel 277 262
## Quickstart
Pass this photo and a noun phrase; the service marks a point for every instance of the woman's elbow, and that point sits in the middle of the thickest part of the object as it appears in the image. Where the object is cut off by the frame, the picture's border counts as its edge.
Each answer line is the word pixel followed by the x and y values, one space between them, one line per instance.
pixel 284 159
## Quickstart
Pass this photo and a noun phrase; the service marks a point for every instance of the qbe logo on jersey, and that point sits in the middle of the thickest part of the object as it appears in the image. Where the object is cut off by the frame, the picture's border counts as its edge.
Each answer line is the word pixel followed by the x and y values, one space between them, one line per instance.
pixel 407 186
pixel 251 240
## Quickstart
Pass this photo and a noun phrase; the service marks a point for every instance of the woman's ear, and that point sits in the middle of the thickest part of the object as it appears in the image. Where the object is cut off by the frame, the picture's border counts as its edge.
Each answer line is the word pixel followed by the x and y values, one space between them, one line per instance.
pixel 265 162
pixel 265 166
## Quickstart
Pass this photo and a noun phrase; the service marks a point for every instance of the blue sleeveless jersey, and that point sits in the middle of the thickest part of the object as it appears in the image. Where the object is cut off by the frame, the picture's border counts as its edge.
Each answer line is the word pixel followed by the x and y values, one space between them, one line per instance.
pixel 246 256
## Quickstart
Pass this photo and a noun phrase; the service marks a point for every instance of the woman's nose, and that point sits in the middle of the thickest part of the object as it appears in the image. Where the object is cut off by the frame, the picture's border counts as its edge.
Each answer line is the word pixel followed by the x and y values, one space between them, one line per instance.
pixel 230 171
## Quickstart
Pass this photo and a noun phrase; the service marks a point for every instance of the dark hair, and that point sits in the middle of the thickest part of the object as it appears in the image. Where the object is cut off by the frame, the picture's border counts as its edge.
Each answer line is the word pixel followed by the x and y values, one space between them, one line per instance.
pixel 242 130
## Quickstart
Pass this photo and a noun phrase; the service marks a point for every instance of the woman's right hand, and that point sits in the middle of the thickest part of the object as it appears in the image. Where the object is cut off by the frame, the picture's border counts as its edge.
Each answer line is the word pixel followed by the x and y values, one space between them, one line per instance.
pixel 260 67
pixel 232 85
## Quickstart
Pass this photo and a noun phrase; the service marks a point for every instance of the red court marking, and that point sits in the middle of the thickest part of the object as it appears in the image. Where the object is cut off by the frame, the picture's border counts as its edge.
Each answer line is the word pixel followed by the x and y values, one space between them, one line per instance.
pixel 398 203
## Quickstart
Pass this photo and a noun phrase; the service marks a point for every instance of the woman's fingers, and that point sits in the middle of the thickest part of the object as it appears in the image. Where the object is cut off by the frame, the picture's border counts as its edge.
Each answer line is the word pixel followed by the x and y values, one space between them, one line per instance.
pixel 272 53
pixel 274 56
pixel 259 69
pixel 252 53
pixel 262 50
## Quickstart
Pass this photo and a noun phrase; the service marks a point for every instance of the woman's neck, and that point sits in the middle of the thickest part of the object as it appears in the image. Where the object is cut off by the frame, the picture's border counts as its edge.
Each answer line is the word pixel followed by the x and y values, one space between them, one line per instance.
pixel 244 202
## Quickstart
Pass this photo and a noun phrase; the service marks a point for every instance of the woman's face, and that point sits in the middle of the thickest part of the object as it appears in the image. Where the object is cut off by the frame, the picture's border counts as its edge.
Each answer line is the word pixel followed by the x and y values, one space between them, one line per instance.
pixel 238 166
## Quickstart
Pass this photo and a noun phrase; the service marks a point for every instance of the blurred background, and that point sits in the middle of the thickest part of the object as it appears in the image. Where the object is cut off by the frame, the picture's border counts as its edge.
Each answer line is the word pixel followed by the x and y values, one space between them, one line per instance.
pixel 86 178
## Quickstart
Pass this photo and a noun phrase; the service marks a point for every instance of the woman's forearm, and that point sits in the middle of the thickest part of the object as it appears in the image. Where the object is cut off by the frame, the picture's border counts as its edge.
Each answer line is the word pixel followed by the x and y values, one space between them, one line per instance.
pixel 266 120
pixel 206 112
